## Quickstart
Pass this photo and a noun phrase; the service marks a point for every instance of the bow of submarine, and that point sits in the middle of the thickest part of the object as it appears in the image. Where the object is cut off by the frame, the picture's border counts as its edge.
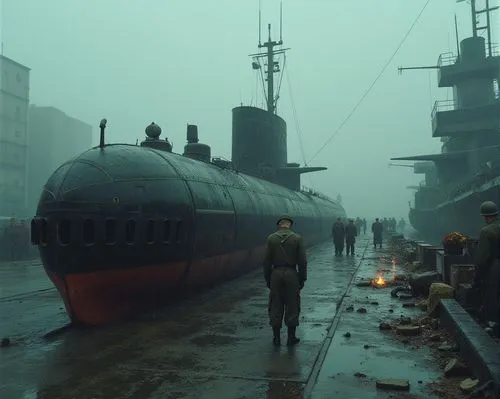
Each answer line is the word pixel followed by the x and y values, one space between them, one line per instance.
pixel 121 227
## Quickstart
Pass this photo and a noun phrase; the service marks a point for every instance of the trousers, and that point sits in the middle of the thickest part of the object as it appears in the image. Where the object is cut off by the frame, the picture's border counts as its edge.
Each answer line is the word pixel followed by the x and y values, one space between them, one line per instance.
pixel 284 297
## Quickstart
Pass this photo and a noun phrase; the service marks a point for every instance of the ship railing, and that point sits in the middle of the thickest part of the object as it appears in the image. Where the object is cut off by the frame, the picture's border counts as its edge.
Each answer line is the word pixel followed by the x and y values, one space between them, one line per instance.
pixel 443 105
pixel 450 58
pixel 310 191
pixel 445 59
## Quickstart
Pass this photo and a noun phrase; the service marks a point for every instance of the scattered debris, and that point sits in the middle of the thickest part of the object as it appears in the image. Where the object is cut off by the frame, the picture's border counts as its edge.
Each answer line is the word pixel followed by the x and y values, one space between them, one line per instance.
pixel 468 384
pixel 359 375
pixel 347 334
pixel 361 310
pixel 373 303
pixel 399 385
pixel 364 282
pixel 409 305
pixel 350 308
pixel 385 326
pixel 420 283
pixel 5 342
pixel 408 330
pixel 455 368
pixel 447 348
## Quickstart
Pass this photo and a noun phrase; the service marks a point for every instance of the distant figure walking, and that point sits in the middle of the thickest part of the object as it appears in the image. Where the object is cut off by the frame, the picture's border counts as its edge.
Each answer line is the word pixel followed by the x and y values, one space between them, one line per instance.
pixel 284 252
pixel 377 230
pixel 338 235
pixel 351 233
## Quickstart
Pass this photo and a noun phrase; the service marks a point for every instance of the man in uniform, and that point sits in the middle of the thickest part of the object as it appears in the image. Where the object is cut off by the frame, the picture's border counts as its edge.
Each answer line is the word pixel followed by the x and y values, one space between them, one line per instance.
pixel 338 235
pixel 284 252
pixel 377 230
pixel 487 276
pixel 350 237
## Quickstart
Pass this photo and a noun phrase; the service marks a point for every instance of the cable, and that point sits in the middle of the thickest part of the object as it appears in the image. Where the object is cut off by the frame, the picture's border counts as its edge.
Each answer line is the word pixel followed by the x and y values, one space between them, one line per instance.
pixel 296 119
pixel 374 82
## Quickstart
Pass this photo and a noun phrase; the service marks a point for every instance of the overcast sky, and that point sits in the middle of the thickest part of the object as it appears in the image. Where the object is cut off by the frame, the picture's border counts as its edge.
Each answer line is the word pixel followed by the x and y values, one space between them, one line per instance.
pixel 186 61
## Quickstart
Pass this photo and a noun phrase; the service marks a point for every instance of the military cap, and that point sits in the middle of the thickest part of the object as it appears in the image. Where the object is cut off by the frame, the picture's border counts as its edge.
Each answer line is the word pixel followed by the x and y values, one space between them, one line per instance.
pixel 284 217
pixel 488 208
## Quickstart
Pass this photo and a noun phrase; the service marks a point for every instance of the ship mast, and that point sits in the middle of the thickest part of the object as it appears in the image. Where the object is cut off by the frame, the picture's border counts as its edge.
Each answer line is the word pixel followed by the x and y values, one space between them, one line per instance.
pixel 475 28
pixel 272 65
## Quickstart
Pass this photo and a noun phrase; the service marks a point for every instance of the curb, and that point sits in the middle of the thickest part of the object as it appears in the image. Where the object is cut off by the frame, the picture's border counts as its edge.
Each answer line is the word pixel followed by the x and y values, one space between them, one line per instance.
pixel 479 350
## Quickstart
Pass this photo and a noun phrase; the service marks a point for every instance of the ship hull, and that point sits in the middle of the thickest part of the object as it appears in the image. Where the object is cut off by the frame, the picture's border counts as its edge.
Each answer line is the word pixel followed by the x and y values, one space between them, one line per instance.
pixel 116 246
pixel 460 214
pixel 107 296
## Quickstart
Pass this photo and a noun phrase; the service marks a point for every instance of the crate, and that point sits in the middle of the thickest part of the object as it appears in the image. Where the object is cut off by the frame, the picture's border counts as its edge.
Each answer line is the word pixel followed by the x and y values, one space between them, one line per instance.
pixel 461 274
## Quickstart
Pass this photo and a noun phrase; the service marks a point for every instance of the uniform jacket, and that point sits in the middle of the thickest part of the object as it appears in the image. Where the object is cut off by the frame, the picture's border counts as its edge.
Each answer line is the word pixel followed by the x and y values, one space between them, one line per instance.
pixel 285 247
pixel 488 247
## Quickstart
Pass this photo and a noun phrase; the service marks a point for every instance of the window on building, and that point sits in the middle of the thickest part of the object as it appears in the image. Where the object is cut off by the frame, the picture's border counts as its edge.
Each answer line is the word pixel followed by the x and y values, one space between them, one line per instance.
pixel 130 232
pixel 18 78
pixel 110 231
pixel 18 113
pixel 166 231
pixel 150 232
pixel 88 232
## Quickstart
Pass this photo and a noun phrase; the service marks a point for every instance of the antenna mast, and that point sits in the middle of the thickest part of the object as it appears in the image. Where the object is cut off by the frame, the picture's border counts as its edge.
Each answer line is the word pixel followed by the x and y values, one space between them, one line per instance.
pixel 475 28
pixel 272 65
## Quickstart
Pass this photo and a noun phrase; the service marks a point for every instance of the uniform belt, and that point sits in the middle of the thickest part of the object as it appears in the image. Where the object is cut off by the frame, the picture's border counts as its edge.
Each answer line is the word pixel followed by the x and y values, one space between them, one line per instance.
pixel 280 266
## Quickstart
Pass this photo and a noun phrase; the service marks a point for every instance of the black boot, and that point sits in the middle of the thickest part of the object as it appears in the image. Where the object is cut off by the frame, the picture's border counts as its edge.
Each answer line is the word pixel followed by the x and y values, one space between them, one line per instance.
pixel 292 339
pixel 276 336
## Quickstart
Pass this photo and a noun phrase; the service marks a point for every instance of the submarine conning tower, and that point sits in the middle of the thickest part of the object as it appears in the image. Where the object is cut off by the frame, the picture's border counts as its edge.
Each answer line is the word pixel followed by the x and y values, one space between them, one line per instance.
pixel 193 149
pixel 259 139
pixel 258 142
pixel 153 132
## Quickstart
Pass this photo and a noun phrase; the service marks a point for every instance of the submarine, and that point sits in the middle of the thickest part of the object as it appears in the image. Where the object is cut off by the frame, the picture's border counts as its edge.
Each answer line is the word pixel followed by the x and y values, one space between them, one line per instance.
pixel 120 228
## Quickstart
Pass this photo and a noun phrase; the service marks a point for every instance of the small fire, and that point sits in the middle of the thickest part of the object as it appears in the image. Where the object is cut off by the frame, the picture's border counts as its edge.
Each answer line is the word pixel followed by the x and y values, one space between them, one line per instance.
pixel 379 281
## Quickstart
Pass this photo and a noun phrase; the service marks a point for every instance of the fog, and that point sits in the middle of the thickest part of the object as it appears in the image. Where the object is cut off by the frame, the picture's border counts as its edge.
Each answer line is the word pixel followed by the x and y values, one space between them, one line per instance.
pixel 177 62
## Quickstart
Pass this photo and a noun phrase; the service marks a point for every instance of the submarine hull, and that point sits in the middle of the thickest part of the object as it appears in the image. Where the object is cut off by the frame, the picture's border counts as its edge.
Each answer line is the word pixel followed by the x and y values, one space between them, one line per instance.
pixel 122 228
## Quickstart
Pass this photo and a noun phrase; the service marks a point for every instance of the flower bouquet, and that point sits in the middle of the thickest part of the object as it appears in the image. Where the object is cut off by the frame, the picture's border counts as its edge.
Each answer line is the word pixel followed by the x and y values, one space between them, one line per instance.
pixel 454 243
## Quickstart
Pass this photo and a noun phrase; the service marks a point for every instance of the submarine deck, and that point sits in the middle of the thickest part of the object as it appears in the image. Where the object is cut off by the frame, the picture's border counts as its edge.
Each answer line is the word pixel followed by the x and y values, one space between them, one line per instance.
pixel 214 345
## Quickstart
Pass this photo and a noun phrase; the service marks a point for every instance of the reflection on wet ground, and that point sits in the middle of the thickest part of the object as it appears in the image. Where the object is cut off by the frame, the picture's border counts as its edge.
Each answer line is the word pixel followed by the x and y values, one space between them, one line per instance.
pixel 215 345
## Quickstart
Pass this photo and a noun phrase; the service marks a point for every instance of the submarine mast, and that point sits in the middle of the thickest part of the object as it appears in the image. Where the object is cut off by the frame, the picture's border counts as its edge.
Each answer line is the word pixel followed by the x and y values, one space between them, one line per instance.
pixel 272 65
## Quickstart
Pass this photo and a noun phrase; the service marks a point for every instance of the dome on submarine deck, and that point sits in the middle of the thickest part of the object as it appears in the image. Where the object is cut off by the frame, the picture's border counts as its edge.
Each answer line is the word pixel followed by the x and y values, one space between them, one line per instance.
pixel 114 162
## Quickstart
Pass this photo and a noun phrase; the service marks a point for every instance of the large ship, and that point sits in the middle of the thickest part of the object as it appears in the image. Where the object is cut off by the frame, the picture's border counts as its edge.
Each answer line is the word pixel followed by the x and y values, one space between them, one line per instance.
pixel 122 227
pixel 467 171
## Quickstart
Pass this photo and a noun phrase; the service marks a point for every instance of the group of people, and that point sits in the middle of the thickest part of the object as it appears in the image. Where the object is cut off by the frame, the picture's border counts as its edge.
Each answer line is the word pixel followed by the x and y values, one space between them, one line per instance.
pixel 285 267
pixel 345 234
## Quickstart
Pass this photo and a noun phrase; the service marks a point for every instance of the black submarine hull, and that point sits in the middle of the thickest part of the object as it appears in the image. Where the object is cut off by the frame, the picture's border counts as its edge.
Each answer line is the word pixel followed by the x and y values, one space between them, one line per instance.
pixel 121 227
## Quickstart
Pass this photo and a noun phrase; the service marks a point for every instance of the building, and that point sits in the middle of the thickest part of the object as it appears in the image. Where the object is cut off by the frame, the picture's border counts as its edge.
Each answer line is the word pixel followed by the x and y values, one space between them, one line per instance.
pixel 14 99
pixel 54 138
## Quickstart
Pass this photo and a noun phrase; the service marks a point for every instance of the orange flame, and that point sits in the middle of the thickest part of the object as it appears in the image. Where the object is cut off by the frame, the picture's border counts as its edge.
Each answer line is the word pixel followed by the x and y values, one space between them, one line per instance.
pixel 379 280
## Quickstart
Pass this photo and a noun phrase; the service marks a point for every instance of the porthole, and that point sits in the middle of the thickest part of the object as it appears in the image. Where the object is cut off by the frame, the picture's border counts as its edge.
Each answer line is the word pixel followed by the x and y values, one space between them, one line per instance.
pixel 130 231
pixel 150 232
pixel 110 232
pixel 178 231
pixel 166 231
pixel 88 232
pixel 64 232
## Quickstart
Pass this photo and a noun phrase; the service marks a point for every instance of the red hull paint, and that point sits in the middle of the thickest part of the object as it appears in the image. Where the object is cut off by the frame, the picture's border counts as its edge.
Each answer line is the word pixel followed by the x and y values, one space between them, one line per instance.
pixel 107 296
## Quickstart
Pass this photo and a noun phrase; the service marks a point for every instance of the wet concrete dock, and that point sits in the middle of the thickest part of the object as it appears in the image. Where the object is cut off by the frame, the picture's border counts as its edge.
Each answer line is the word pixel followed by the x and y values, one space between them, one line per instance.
pixel 215 345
